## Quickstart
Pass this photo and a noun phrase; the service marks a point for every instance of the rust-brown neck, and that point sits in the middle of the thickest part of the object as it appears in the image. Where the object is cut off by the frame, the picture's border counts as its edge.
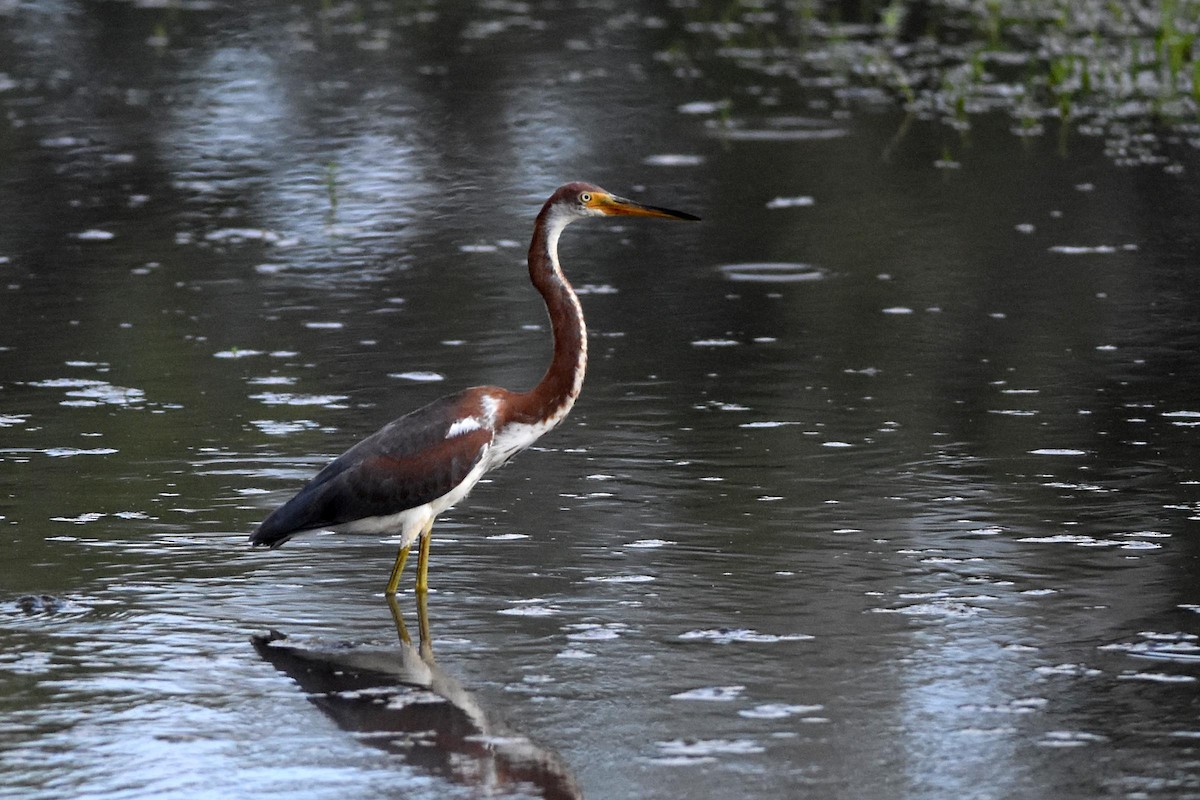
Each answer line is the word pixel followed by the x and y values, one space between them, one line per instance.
pixel 555 393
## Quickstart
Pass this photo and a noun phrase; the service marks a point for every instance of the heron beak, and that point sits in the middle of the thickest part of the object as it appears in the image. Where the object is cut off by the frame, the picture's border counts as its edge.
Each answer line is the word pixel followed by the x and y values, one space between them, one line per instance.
pixel 615 206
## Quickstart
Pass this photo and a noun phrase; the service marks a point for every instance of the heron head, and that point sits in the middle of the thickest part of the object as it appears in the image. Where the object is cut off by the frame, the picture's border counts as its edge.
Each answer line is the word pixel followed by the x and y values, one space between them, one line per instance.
pixel 587 200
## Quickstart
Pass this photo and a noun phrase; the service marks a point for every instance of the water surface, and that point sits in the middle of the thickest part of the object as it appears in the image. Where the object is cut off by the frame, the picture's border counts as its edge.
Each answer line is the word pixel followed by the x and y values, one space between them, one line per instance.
pixel 884 481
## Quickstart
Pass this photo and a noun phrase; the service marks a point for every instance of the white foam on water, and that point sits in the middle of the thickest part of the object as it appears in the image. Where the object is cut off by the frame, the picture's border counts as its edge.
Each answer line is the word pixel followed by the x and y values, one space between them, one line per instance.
pixel 418 376
pixel 718 694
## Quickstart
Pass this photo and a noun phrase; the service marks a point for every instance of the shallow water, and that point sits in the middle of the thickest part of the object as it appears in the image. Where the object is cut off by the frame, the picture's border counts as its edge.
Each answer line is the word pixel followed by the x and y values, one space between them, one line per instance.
pixel 884 482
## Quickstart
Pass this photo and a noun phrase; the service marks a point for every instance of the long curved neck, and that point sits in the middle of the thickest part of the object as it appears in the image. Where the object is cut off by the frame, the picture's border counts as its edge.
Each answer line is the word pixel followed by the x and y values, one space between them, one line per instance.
pixel 555 393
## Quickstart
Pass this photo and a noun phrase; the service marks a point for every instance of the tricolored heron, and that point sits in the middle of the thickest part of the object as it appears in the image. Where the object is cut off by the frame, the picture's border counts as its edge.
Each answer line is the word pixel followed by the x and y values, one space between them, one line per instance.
pixel 400 478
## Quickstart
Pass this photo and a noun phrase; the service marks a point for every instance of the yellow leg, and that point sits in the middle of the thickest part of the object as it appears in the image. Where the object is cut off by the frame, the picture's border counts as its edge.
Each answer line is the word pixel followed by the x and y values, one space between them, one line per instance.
pixel 394 581
pixel 423 560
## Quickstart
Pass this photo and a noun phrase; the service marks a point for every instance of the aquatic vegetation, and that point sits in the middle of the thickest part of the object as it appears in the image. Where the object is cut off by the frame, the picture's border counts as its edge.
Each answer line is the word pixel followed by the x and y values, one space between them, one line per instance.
pixel 1125 70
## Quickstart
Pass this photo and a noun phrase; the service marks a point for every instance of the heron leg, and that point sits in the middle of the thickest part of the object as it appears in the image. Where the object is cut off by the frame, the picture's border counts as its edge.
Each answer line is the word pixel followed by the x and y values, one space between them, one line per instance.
pixel 423 560
pixel 394 581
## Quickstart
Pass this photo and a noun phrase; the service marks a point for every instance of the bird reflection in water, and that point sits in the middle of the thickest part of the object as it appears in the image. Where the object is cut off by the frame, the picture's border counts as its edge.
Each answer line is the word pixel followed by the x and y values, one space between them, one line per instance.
pixel 404 703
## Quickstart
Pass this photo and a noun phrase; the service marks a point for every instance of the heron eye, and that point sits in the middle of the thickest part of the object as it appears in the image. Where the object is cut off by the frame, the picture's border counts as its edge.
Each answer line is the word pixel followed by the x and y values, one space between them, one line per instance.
pixel 586 197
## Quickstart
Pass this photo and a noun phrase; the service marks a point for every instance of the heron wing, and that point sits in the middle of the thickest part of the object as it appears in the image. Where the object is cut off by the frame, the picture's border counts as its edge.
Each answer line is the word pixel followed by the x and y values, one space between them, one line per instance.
pixel 411 461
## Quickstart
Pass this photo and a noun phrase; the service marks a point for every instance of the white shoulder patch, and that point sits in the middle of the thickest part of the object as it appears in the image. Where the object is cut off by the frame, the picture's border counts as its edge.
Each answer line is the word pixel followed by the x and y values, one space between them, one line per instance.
pixel 463 426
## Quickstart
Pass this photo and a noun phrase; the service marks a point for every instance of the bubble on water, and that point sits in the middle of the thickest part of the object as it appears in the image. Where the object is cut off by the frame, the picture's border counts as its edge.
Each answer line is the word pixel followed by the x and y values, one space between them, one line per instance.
pixel 1067 670
pixel 942 607
pixel 94 235
pixel 1057 451
pixel 1141 546
pixel 1099 249
pixel 1077 487
pixel 1178 647
pixel 802 201
pixel 1069 739
pixel 574 653
pixel 530 611
pixel 418 376
pixel 241 234
pixel 681 761
pixel 594 632
pixel 717 405
pixel 104 395
pixel 591 288
pixel 649 544
pixel 703 107
pixel 717 694
pixel 1021 705
pixel 289 399
pixel 90 392
pixel 673 160
pixel 620 578
pixel 1175 636
pixel 82 519
pixel 742 635
pixel 1079 539
pixel 273 427
pixel 710 747
pixel 772 272
pixel 134 515
pixel 68 452
pixel 778 711
pixel 767 424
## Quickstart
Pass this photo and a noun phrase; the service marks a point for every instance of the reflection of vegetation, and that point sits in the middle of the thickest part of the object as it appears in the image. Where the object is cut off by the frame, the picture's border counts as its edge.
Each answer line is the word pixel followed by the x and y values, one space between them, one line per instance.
pixel 331 185
pixel 1108 67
